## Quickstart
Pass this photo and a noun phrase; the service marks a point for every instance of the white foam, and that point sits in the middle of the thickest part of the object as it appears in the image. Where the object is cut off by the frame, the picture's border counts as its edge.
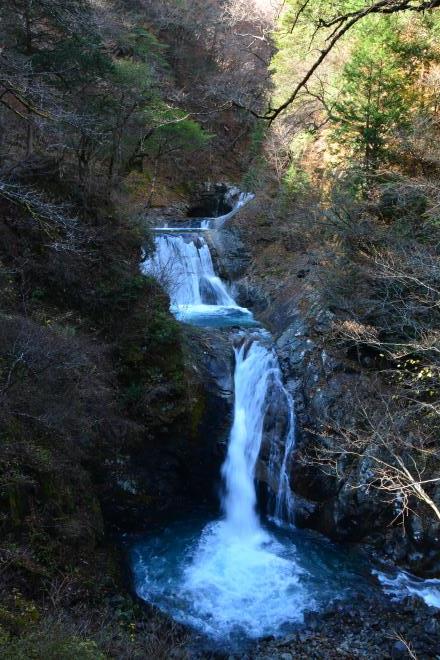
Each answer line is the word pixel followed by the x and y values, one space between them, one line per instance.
pixel 403 584
pixel 185 269
pixel 243 581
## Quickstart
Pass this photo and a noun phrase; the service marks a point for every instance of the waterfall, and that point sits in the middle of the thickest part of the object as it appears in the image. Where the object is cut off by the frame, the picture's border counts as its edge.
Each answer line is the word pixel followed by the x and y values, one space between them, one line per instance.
pixel 251 380
pixel 242 200
pixel 235 198
pixel 184 267
pixel 284 501
pixel 281 450
pixel 239 576
pixel 257 373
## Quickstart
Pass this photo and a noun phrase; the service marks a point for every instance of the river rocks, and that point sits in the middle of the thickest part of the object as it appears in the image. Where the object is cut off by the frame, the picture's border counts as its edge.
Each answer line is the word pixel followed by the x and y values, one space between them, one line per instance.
pixel 333 488
pixel 365 629
pixel 229 252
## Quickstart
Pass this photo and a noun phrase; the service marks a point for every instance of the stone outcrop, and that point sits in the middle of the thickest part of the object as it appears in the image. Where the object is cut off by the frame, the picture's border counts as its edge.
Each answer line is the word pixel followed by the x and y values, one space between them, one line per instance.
pixel 212 200
pixel 325 384
pixel 146 481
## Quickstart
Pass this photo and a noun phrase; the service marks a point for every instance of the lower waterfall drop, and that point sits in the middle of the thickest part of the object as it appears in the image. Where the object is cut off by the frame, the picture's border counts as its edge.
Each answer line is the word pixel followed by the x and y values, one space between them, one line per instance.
pixel 250 383
pixel 239 577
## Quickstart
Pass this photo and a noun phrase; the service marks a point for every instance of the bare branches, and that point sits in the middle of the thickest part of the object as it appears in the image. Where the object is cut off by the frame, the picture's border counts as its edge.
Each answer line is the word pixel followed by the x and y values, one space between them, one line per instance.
pixel 390 460
pixel 383 7
pixel 341 25
pixel 383 286
pixel 62 230
pixel 298 15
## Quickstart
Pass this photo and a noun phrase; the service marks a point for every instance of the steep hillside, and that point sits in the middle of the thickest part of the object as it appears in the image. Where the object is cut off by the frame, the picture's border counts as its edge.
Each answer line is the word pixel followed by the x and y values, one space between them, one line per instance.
pixel 344 243
pixel 102 115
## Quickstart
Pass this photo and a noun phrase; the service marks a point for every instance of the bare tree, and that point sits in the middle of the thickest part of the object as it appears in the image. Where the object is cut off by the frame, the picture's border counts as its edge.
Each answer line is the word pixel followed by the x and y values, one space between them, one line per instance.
pixel 333 30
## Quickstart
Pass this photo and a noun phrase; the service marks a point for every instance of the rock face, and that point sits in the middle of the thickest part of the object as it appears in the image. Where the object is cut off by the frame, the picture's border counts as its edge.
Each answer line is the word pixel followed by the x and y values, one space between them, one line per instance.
pixel 229 252
pixel 211 201
pixel 211 359
pixel 148 480
pixel 335 498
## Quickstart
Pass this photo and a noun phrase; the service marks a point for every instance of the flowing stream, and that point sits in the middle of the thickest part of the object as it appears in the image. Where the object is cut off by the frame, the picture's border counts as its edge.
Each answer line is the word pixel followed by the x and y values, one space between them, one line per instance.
pixel 240 576
pixel 183 264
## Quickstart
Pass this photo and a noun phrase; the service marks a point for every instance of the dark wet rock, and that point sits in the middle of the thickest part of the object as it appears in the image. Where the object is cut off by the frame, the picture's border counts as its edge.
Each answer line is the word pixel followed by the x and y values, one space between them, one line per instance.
pixel 340 503
pixel 305 512
pixel 211 201
pixel 230 255
pixel 250 296
pixel 368 628
pixel 145 481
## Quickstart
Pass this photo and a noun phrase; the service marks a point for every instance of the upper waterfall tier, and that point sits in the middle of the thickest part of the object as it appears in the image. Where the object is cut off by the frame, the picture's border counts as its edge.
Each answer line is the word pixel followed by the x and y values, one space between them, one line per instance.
pixel 184 267
pixel 236 199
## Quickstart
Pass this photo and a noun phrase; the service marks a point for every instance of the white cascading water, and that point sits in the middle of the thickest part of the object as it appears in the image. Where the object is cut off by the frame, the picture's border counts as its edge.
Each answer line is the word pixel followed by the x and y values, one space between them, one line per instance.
pixel 284 502
pixel 242 199
pixel 404 584
pixel 281 457
pixel 184 267
pixel 186 270
pixel 239 578
pixel 256 373
pixel 251 379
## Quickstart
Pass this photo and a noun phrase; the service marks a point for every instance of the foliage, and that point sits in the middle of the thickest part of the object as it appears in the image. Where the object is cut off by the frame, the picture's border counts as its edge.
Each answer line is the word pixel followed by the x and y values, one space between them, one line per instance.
pixel 351 187
pixel 86 89
pixel 91 363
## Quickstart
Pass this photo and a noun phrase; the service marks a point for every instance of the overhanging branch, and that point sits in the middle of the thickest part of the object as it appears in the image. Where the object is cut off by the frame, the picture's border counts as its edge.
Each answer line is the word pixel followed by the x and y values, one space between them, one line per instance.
pixel 342 25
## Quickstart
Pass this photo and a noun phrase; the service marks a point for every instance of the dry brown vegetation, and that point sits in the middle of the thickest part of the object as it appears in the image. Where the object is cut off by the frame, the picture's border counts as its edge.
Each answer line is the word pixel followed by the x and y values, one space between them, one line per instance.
pixel 106 108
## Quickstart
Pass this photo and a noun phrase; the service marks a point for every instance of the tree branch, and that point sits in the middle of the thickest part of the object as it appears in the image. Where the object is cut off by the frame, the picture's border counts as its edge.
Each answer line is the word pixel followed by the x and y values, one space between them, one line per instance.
pixel 343 24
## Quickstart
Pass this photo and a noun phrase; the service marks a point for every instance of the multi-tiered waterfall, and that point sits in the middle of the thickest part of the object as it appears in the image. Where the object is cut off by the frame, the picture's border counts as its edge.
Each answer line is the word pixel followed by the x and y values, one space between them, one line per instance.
pixel 238 576
pixel 183 264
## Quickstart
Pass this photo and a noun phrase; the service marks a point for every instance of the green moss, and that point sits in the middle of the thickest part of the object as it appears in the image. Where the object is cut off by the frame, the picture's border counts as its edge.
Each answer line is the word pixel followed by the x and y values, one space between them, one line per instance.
pixel 197 410
pixel 49 644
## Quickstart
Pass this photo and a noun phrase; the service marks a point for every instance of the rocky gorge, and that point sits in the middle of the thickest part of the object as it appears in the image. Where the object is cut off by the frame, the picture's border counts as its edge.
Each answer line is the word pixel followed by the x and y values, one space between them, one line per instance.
pixel 327 384
pixel 219 325
pixel 322 382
